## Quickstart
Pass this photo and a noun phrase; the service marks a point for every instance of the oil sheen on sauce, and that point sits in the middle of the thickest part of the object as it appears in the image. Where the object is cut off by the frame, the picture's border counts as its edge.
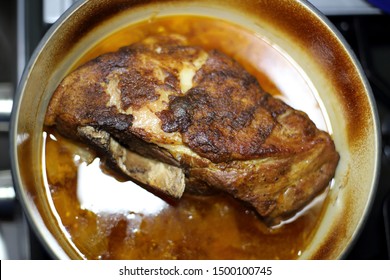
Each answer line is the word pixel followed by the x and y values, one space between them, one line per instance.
pixel 108 218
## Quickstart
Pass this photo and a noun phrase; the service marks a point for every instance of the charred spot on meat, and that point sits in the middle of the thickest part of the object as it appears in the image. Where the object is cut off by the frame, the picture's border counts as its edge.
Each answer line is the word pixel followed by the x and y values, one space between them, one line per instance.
pixel 177 117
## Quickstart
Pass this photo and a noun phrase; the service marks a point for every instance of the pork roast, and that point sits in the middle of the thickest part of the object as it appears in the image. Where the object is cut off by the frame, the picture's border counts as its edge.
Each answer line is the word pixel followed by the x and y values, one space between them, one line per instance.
pixel 176 117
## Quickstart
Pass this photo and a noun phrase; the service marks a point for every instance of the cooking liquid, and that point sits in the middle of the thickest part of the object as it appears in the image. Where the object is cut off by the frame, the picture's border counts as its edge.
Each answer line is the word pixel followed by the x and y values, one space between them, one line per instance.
pixel 107 218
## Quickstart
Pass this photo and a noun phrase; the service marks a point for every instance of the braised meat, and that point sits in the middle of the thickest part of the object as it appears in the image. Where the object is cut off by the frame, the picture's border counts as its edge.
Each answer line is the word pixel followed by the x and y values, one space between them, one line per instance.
pixel 175 117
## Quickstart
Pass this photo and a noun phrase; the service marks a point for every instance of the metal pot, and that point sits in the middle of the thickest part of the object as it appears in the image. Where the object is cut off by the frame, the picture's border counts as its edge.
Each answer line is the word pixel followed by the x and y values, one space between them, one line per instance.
pixel 294 27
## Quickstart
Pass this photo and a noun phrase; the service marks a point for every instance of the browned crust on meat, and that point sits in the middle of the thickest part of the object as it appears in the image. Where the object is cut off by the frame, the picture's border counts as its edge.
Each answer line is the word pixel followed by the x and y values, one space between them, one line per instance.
pixel 227 116
pixel 236 137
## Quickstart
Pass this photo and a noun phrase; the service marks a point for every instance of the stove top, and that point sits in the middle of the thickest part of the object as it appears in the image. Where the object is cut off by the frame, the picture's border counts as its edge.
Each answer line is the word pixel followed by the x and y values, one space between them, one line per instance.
pixel 368 34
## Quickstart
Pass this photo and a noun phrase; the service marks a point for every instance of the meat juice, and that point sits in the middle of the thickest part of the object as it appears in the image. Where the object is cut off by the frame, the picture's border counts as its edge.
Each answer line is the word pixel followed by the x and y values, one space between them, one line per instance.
pixel 106 217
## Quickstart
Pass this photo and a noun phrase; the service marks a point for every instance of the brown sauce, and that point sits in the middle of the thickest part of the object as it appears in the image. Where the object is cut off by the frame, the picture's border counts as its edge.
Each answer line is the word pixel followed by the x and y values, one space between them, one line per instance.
pixel 109 219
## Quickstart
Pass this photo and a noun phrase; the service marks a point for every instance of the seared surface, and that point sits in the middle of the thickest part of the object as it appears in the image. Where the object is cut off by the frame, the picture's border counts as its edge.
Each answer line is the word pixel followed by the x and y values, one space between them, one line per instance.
pixel 202 112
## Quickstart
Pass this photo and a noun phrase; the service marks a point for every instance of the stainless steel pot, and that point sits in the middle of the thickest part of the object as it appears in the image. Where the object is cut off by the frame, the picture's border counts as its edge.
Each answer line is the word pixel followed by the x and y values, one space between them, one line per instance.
pixel 294 27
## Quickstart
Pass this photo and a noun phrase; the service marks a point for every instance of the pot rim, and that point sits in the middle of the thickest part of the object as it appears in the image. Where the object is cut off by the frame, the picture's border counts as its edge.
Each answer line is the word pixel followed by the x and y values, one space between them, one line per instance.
pixel 377 128
pixel 43 234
